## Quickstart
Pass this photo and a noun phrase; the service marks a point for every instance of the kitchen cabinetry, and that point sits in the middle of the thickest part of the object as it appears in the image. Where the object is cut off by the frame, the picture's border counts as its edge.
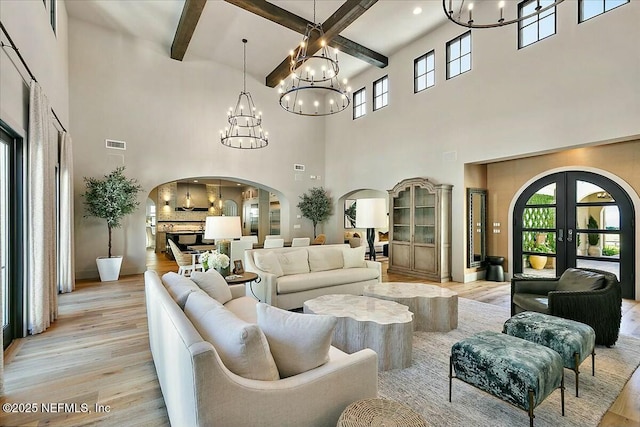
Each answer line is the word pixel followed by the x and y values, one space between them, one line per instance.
pixel 420 229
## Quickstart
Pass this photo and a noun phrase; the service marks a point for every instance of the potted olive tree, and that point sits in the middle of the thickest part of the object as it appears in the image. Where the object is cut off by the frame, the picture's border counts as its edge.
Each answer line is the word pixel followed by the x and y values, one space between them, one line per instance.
pixel 316 206
pixel 111 199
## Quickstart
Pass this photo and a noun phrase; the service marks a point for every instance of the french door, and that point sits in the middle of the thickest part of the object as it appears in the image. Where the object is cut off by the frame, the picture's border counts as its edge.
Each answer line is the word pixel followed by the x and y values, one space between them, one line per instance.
pixel 575 219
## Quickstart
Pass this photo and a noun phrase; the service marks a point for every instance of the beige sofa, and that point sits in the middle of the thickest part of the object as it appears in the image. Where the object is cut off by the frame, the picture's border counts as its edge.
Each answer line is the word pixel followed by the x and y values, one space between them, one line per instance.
pixel 199 390
pixel 303 273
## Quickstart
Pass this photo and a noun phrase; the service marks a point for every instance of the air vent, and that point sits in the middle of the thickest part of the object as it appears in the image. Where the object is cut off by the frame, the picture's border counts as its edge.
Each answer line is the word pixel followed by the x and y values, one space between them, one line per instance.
pixel 116 145
pixel 298 168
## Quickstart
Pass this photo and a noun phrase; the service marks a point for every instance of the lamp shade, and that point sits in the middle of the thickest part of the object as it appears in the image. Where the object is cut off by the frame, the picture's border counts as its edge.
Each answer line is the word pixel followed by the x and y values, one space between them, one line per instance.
pixel 222 227
pixel 371 213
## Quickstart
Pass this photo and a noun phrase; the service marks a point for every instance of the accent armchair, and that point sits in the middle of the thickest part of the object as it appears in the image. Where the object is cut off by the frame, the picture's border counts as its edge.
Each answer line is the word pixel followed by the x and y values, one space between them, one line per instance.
pixel 586 295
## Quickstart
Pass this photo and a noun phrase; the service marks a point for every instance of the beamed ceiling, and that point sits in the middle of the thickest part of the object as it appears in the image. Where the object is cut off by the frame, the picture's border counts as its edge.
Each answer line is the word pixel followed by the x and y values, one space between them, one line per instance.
pixel 366 32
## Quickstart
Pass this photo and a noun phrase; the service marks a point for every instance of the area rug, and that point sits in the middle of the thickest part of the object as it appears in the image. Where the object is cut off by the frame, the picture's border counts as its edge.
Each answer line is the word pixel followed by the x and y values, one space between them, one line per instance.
pixel 424 386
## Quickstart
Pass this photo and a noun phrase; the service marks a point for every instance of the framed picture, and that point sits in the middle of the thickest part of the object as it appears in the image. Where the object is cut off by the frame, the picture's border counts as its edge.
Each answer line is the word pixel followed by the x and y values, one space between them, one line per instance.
pixel 237 267
pixel 349 213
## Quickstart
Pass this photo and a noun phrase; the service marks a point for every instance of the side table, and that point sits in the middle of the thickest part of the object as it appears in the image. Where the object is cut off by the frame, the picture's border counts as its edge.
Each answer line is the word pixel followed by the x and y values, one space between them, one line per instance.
pixel 380 412
pixel 246 277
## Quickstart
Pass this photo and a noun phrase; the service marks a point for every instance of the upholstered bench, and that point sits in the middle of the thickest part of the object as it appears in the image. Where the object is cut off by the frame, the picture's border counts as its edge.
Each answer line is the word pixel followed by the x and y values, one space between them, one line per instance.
pixel 515 370
pixel 574 341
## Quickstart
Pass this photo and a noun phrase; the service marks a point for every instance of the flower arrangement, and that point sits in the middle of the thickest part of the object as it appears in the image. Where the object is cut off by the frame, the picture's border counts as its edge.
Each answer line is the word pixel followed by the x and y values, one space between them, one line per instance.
pixel 214 259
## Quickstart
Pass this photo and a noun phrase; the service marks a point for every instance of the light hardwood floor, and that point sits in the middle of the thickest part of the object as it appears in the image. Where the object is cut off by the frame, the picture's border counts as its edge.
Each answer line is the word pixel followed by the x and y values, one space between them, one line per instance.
pixel 97 353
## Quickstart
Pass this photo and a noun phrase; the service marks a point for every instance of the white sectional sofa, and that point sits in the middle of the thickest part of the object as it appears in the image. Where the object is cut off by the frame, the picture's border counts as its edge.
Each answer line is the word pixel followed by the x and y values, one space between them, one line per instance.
pixel 200 390
pixel 291 276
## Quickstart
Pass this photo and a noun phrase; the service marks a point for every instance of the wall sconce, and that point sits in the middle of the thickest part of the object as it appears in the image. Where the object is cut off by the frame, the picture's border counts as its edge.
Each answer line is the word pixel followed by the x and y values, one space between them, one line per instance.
pixel 166 203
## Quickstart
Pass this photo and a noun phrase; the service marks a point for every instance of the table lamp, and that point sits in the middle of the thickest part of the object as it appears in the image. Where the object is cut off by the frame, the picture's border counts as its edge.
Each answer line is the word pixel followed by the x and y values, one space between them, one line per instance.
pixel 371 214
pixel 221 229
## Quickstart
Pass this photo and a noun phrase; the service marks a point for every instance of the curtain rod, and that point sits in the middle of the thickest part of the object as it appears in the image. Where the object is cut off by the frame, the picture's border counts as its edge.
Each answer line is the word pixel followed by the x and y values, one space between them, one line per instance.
pixel 13 46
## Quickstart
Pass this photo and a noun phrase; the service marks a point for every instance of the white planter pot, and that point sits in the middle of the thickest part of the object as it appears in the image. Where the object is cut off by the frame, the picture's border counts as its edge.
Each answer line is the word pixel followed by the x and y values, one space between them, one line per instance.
pixel 109 268
pixel 595 251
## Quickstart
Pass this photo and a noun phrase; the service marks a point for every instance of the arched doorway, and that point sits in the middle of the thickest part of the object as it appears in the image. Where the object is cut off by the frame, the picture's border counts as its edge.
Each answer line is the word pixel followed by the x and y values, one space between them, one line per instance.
pixel 575 219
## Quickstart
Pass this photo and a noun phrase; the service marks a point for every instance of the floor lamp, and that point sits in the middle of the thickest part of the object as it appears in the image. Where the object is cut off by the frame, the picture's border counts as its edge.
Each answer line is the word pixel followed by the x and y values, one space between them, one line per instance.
pixel 223 228
pixel 371 214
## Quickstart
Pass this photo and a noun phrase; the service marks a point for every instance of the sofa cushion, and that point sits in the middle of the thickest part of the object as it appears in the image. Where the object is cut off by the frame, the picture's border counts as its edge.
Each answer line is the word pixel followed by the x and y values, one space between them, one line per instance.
pixel 213 284
pixel 242 346
pixel 179 287
pixel 294 262
pixel 244 308
pixel 532 302
pixel 354 257
pixel 298 342
pixel 268 262
pixel 322 259
pixel 574 279
pixel 323 279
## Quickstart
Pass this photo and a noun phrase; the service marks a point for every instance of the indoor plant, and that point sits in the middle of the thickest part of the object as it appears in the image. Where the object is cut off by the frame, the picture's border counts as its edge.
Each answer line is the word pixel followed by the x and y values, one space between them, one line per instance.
pixel 316 206
pixel 111 199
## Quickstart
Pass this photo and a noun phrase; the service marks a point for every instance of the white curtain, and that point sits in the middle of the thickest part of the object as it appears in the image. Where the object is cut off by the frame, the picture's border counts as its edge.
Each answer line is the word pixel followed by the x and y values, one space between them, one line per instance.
pixel 41 238
pixel 66 278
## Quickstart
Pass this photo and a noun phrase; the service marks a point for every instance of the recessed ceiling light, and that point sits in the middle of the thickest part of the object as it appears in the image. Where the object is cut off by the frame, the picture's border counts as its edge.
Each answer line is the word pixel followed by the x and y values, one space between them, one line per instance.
pixel 417 10
pixel 195 180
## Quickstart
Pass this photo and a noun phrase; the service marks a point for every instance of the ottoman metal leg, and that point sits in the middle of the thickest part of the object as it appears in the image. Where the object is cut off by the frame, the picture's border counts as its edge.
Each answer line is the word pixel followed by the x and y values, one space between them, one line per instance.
pixel 450 375
pixel 531 403
pixel 562 393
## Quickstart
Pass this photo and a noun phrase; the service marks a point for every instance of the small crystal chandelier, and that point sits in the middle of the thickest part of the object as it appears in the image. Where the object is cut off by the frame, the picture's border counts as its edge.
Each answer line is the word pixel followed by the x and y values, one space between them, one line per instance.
pixel 245 129
pixel 313 88
pixel 458 18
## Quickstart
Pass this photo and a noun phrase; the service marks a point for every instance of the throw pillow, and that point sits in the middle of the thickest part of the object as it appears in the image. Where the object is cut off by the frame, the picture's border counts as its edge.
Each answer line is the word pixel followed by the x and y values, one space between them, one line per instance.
pixel 242 346
pixel 268 262
pixel 321 259
pixel 383 237
pixel 179 287
pixel 213 284
pixel 574 279
pixel 354 257
pixel 294 262
pixel 298 342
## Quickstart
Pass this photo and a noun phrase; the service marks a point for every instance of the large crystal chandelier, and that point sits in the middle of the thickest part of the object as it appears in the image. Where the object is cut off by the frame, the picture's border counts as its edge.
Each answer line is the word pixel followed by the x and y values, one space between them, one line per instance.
pixel 313 88
pixel 245 124
pixel 461 15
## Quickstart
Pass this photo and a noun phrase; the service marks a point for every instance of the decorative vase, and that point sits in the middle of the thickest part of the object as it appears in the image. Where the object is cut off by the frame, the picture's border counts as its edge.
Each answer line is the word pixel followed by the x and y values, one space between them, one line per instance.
pixel 537 261
pixel 109 268
pixel 224 272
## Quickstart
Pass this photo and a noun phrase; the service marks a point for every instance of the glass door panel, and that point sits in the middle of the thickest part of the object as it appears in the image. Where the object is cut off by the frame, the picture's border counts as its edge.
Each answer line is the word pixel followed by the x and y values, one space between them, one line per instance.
pixel 424 198
pixel 4 228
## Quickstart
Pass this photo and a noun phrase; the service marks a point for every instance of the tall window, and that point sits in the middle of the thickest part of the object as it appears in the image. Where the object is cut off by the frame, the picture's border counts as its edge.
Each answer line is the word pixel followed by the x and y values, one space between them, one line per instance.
pixel 537 27
pixel 380 93
pixel 459 55
pixel 11 239
pixel 587 9
pixel 52 14
pixel 424 72
pixel 359 103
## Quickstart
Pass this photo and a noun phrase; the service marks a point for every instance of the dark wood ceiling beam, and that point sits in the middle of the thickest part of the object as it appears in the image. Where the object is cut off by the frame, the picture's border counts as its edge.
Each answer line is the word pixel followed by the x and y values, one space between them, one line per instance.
pixel 188 21
pixel 341 18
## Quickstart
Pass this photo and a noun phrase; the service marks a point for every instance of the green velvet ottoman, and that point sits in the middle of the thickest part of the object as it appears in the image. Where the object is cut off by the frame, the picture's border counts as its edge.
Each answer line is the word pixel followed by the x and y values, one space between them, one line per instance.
pixel 517 371
pixel 574 341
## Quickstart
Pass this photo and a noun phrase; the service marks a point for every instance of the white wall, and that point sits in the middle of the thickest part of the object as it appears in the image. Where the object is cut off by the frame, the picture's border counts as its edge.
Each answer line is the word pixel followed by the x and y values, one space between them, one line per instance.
pixel 170 114
pixel 46 54
pixel 576 88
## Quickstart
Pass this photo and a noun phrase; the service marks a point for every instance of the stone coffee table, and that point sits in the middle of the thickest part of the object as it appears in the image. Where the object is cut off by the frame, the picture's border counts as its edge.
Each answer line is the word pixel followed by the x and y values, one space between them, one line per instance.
pixel 363 322
pixel 435 308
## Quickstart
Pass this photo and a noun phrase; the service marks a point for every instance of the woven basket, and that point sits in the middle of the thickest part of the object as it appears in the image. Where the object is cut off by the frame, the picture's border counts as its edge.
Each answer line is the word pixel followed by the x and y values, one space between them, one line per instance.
pixel 378 413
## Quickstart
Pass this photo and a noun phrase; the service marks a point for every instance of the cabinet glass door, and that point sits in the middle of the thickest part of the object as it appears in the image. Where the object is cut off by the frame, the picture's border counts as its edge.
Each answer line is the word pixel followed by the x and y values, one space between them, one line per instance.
pixel 424 215
pixel 402 216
